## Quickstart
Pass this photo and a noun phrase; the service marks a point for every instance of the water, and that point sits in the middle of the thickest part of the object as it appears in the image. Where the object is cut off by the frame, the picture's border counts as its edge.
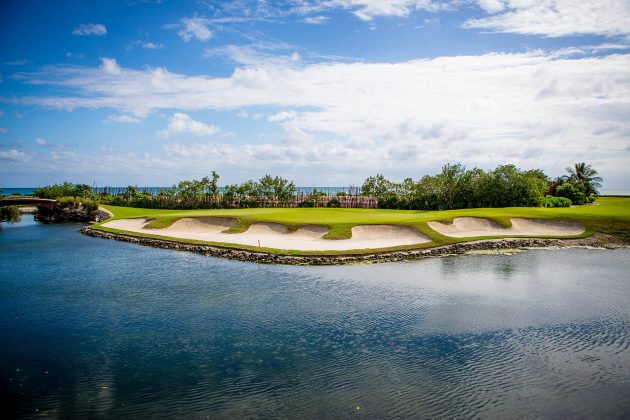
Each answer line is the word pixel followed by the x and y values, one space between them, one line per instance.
pixel 94 328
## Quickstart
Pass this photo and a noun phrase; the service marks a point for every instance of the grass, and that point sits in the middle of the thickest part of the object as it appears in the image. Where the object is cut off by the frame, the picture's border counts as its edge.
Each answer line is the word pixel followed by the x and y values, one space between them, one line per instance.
pixel 608 215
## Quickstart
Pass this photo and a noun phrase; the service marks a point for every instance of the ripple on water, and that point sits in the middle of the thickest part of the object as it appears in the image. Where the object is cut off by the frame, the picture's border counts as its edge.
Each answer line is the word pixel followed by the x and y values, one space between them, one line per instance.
pixel 155 333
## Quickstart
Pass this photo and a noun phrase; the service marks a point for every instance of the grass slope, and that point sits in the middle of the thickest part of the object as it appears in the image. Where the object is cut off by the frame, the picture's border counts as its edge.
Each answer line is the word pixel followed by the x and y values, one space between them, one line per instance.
pixel 608 215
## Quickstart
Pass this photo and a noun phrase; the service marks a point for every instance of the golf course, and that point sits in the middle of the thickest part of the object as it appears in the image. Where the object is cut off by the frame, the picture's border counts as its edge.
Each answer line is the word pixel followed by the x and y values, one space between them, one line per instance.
pixel 338 231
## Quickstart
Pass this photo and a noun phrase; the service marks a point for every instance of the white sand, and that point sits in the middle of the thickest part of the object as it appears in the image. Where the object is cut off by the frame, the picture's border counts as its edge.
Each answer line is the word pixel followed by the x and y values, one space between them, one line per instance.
pixel 466 227
pixel 278 236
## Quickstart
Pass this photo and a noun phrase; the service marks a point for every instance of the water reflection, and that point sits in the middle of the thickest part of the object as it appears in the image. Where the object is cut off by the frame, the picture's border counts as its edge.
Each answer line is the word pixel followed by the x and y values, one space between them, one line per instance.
pixel 95 328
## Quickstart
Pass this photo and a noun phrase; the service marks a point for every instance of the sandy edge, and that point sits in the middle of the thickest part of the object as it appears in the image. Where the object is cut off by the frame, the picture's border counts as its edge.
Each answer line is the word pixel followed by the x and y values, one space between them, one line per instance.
pixel 597 240
pixel 470 227
pixel 278 236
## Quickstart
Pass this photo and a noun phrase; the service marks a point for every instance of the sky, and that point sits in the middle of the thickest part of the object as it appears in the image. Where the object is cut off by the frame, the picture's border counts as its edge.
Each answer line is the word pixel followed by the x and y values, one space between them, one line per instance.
pixel 323 92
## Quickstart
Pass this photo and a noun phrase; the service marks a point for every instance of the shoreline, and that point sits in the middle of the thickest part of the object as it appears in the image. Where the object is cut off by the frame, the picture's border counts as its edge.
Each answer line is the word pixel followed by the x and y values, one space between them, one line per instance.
pixel 597 240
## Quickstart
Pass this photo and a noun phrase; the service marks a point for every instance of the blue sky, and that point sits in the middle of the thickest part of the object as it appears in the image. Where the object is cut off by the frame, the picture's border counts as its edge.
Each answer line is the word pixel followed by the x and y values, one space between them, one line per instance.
pixel 325 92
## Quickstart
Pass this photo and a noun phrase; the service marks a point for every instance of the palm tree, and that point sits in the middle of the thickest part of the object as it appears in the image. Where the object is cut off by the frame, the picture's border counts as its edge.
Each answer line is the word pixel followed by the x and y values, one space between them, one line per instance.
pixel 587 175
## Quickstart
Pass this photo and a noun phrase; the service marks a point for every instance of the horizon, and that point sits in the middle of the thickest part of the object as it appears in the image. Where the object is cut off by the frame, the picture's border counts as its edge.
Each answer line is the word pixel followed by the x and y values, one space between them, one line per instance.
pixel 310 89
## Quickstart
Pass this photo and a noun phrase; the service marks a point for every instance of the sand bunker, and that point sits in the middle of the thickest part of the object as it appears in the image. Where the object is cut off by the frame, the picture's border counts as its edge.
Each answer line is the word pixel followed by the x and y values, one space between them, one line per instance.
pixel 275 235
pixel 467 227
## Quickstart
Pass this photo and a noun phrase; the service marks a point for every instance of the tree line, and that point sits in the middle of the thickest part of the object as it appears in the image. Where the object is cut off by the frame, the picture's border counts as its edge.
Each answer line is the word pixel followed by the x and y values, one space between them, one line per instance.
pixel 454 187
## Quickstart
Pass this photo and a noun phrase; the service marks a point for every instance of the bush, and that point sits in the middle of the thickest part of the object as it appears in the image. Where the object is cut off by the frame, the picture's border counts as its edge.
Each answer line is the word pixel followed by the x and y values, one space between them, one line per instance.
pixel 66 189
pixel 68 202
pixel 90 205
pixel 307 203
pixel 573 190
pixel 334 203
pixel 9 214
pixel 551 201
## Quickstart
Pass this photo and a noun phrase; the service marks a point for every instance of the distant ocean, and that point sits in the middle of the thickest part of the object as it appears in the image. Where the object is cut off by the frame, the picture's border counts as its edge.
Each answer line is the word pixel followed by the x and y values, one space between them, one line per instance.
pixel 117 190
pixel 301 190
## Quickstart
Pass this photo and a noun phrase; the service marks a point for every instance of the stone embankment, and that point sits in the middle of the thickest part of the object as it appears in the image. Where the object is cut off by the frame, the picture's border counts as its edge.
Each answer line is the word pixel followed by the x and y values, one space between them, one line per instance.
pixel 598 240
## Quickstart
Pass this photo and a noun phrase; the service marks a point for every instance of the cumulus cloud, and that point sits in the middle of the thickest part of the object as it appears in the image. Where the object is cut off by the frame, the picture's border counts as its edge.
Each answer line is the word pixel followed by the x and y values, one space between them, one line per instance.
pixel 109 65
pixel 195 28
pixel 555 18
pixel 13 154
pixel 535 108
pixel 183 124
pixel 42 142
pixel 90 29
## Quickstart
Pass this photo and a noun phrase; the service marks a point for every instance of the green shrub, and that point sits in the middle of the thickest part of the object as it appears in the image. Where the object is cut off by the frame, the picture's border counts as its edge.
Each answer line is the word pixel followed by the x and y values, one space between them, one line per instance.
pixel 573 190
pixel 90 205
pixel 307 203
pixel 66 189
pixel 334 203
pixel 67 202
pixel 551 201
pixel 9 214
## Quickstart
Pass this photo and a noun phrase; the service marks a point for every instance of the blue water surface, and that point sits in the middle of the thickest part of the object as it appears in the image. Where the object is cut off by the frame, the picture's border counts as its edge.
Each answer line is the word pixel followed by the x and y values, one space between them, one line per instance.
pixel 91 328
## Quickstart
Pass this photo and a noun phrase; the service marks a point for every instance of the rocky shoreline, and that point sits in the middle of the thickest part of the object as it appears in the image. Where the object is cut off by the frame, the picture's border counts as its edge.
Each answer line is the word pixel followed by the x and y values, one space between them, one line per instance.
pixel 59 214
pixel 597 240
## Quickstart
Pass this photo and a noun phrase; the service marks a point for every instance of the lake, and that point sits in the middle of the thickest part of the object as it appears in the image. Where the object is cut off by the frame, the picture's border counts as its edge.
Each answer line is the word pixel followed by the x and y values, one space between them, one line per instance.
pixel 93 328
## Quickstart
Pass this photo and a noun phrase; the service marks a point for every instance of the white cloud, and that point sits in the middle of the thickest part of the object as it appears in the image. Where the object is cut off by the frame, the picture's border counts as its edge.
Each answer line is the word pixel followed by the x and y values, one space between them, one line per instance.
pixel 151 46
pixel 3 130
pixel 42 142
pixel 536 109
pixel 195 28
pixel 316 20
pixel 368 9
pixel 90 29
pixel 555 18
pixel 183 124
pixel 282 116
pixel 491 6
pixel 109 65
pixel 13 154
pixel 123 118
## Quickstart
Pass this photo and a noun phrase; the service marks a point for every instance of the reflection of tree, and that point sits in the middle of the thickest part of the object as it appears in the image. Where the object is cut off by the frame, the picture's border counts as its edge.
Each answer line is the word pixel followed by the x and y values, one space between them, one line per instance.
pixel 10 214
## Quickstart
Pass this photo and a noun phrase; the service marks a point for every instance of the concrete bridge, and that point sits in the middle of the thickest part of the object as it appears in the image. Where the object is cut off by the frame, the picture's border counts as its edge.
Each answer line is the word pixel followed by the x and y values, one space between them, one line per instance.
pixel 27 201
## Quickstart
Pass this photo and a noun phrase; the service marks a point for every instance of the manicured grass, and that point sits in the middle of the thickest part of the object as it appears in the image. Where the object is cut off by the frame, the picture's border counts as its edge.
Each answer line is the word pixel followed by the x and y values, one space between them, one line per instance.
pixel 608 215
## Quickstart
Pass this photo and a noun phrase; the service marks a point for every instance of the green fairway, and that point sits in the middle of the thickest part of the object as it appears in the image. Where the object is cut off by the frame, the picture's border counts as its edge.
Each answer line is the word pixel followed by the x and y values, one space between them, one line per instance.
pixel 609 215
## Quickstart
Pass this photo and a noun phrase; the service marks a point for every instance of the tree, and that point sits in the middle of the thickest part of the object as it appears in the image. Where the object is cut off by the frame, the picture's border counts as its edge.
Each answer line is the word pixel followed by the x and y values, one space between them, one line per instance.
pixel 376 186
pixel 449 180
pixel 587 175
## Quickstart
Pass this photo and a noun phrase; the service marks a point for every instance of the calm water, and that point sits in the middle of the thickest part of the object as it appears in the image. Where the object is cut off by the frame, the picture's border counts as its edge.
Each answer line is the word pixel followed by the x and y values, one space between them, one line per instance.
pixel 93 328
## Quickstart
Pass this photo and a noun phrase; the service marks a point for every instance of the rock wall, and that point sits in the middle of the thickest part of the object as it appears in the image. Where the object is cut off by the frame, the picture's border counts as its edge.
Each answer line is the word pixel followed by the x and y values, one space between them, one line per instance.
pixel 269 258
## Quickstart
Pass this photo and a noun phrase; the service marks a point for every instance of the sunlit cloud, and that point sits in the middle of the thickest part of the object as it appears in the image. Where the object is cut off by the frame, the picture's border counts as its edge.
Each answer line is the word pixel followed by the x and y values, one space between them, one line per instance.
pixel 183 124
pixel 90 29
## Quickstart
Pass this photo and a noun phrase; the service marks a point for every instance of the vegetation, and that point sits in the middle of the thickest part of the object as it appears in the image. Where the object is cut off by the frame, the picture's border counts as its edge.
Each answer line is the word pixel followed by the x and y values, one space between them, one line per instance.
pixel 67 189
pixel 455 187
pixel 9 214
pixel 77 202
pixel 551 201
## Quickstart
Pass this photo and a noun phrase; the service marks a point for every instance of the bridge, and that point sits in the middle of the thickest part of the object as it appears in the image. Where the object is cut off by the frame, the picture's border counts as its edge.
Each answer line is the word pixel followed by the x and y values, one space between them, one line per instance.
pixel 27 201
